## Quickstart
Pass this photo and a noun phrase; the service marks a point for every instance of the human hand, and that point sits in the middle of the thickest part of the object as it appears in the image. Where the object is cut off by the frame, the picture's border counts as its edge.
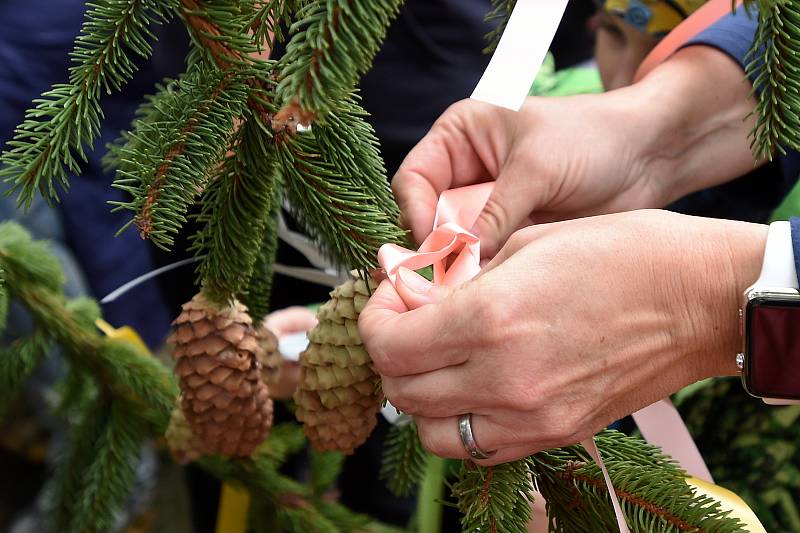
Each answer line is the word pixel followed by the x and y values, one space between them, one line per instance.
pixel 572 326
pixel 679 130
pixel 545 167
pixel 284 322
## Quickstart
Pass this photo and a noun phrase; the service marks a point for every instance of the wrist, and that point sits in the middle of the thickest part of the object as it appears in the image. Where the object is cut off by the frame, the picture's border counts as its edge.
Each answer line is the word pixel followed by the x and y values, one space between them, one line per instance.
pixel 737 253
pixel 694 132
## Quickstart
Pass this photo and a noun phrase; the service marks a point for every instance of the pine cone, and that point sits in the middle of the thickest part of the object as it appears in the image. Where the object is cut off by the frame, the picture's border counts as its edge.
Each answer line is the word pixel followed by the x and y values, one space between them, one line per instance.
pixel 338 396
pixel 269 356
pixel 223 396
pixel 183 445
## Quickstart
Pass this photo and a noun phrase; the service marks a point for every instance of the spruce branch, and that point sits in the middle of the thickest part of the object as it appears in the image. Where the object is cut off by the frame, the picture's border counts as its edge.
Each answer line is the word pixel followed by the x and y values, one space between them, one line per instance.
pixel 26 261
pixel 18 361
pixel 176 146
pixel 495 499
pixel 4 303
pixel 51 142
pixel 404 460
pixel 325 470
pixel 106 482
pixel 350 143
pixel 651 488
pixel 351 223
pixel 333 44
pixel 236 212
pixel 500 14
pixel 137 395
pixel 269 19
pixel 257 294
pixel 217 29
pixel 68 477
pixel 346 520
pixel 132 377
pixel 774 65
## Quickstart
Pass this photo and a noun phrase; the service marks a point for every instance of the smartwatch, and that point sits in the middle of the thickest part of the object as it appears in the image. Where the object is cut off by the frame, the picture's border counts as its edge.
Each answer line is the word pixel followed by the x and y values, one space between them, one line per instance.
pixel 770 323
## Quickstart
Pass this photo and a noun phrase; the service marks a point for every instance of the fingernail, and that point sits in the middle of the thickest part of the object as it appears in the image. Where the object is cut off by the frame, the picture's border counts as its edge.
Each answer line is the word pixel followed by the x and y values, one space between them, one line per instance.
pixel 414 281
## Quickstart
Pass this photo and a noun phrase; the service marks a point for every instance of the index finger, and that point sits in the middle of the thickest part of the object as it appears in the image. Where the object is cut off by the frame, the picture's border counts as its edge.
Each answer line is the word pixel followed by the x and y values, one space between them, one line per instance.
pixel 444 159
pixel 402 342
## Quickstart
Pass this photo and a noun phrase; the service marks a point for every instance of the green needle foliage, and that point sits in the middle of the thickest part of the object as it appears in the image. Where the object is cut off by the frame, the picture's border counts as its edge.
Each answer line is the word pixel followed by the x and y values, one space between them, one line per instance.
pixel 774 64
pixel 652 490
pixel 495 498
pixel 175 146
pixel 230 240
pixel 221 30
pixel 404 460
pixel 325 470
pixel 349 142
pixel 136 394
pixel 259 289
pixel 67 481
pixel 106 480
pixel 271 19
pixel 19 360
pixel 334 43
pixel 333 203
pixel 500 13
pixel 4 303
pixel 51 142
pixel 223 137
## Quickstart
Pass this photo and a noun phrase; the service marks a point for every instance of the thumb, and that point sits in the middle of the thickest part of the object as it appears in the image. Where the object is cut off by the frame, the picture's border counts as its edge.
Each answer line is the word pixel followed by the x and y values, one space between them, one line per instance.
pixel 417 291
pixel 515 196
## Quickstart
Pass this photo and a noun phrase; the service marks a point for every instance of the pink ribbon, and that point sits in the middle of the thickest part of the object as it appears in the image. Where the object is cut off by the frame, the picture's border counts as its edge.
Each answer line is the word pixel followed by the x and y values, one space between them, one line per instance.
pixel 454 253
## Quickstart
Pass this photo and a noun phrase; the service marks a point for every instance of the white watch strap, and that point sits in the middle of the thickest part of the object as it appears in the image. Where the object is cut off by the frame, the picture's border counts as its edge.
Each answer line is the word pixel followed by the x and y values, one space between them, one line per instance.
pixel 778 270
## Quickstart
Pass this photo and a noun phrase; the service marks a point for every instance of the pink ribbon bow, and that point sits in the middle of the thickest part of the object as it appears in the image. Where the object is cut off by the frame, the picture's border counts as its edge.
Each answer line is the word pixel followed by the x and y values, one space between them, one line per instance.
pixel 454 253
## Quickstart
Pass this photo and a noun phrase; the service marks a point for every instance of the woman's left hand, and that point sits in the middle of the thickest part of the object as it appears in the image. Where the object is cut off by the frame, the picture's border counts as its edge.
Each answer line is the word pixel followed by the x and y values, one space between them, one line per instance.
pixel 284 322
pixel 572 326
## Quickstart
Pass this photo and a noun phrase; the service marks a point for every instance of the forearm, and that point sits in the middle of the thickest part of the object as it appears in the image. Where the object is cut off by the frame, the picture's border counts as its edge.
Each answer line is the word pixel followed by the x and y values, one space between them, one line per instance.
pixel 695 131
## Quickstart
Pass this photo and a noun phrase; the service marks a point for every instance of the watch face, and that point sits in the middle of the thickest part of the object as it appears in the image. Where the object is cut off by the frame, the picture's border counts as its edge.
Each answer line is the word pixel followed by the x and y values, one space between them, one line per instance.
pixel 773 349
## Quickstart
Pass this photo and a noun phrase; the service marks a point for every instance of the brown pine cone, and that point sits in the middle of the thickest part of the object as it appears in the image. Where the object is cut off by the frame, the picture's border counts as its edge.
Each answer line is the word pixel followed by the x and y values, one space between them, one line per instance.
pixel 223 396
pixel 339 397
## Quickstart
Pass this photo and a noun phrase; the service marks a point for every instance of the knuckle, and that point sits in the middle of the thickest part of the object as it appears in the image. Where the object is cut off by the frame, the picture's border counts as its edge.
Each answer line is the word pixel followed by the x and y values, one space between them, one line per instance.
pixel 495 215
pixel 384 362
pixel 433 442
pixel 392 390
